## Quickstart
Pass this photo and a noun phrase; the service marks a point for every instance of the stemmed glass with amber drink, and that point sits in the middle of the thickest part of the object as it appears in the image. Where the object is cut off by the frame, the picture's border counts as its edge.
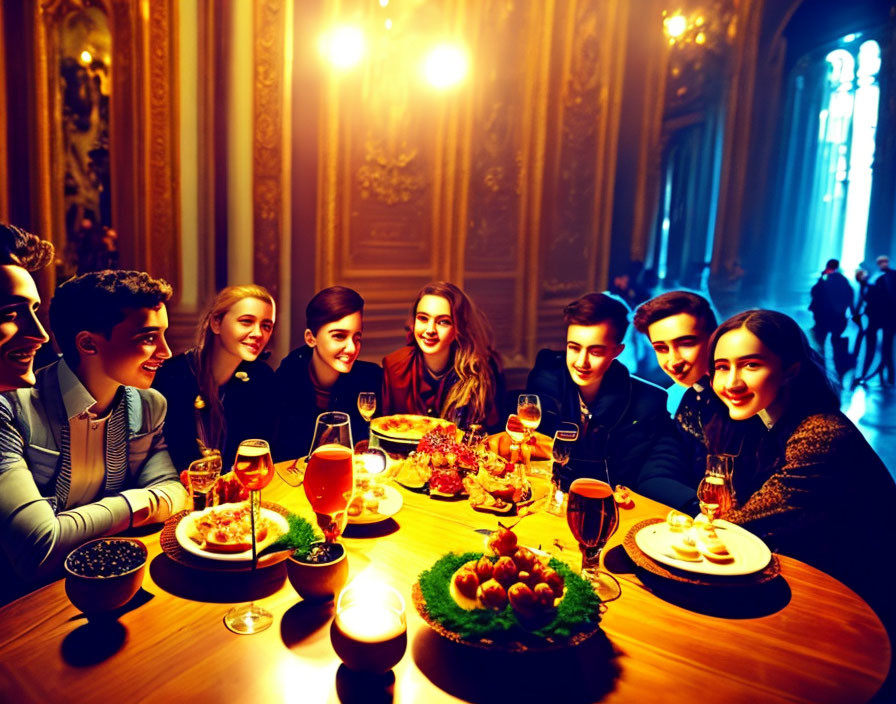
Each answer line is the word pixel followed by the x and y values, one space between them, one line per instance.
pixel 593 516
pixel 254 468
pixel 528 409
pixel 715 492
pixel 367 404
pixel 330 473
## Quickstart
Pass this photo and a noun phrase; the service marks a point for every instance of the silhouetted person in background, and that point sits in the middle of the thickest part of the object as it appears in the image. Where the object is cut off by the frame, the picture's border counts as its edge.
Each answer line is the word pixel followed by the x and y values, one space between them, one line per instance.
pixel 861 316
pixel 885 294
pixel 832 297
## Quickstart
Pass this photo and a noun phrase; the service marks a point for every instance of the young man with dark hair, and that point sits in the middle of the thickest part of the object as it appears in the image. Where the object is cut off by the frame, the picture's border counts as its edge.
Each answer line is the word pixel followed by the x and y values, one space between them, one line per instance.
pixel 82 453
pixel 624 429
pixel 21 333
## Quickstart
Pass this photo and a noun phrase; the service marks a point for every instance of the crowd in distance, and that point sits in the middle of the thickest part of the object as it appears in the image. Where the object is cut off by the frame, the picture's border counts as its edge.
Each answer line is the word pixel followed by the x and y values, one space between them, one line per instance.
pixel 91 444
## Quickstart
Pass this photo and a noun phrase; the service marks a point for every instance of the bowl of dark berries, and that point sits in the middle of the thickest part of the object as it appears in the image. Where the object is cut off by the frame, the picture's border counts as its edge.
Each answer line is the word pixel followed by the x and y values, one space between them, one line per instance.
pixel 104 574
pixel 319 572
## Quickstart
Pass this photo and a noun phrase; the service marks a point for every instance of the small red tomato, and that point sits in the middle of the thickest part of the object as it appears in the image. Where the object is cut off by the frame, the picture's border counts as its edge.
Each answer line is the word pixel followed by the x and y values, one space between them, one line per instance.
pixel 524 559
pixel 466 582
pixel 484 569
pixel 521 597
pixel 492 594
pixel 502 541
pixel 505 571
pixel 544 595
pixel 554 580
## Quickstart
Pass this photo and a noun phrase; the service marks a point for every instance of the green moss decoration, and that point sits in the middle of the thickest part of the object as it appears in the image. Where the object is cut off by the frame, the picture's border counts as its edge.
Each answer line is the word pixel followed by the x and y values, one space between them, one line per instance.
pixel 298 538
pixel 578 610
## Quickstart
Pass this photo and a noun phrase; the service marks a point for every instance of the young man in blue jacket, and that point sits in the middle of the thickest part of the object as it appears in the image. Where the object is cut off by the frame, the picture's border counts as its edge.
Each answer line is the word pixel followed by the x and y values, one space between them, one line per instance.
pixel 625 432
pixel 82 454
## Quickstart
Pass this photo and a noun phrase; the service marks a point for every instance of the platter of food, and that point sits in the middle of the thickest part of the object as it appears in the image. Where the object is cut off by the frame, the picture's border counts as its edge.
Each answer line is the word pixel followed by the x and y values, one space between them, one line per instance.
pixel 223 533
pixel 720 549
pixel 509 598
pixel 376 503
pixel 447 469
pixel 407 428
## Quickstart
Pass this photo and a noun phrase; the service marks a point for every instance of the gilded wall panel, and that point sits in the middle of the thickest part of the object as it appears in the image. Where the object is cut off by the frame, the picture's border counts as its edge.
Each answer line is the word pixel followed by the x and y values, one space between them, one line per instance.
pixel 161 240
pixel 491 184
pixel 493 236
pixel 569 255
pixel 267 140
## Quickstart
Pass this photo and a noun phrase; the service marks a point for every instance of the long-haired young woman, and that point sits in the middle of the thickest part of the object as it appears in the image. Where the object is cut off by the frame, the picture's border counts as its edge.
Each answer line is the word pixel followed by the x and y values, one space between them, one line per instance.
pixel 219 392
pixel 449 368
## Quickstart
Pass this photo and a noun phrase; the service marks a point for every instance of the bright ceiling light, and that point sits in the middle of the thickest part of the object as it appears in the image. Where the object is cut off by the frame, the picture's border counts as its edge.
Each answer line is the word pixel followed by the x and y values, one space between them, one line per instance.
pixel 86 58
pixel 445 65
pixel 675 25
pixel 343 46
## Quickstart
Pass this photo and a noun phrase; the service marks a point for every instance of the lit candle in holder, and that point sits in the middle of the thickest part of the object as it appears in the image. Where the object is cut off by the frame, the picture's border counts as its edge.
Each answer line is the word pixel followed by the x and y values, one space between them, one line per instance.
pixel 369 633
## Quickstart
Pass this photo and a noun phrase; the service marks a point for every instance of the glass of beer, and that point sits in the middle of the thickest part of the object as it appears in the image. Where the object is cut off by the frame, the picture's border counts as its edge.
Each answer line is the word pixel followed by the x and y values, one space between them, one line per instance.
pixel 254 468
pixel 367 404
pixel 715 492
pixel 593 517
pixel 329 473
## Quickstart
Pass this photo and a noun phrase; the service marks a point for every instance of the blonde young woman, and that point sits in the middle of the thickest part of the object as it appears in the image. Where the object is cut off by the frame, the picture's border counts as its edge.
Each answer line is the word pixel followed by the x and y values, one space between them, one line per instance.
pixel 449 367
pixel 219 392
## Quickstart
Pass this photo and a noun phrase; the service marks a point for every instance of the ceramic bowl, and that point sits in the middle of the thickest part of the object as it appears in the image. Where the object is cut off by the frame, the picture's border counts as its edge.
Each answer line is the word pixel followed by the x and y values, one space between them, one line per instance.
pixel 318 582
pixel 104 574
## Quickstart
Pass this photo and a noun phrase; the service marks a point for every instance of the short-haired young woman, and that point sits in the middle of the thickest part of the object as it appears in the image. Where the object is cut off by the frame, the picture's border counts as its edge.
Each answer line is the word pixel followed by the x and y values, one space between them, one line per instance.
pixel 325 373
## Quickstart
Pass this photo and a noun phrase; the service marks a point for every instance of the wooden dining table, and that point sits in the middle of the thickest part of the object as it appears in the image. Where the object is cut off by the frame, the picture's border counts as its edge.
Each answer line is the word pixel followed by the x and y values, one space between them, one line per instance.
pixel 802 637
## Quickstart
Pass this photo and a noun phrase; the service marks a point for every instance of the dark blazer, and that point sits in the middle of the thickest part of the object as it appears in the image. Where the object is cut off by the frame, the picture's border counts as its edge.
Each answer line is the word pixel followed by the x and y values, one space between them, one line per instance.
pixel 630 429
pixel 704 427
pixel 246 396
pixel 296 402
pixel 822 495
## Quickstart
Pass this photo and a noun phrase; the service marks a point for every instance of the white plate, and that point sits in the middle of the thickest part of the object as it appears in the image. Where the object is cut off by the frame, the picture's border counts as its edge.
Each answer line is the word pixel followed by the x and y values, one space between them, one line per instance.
pixel 749 552
pixel 389 505
pixel 187 544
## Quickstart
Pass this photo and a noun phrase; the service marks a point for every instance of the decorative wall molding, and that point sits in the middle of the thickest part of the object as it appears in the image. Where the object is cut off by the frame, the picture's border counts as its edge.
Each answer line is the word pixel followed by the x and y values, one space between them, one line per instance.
pixel 143 130
pixel 488 185
pixel 268 140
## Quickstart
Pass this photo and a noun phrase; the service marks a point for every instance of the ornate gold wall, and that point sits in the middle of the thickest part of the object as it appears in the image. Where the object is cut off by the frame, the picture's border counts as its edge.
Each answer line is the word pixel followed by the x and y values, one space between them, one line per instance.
pixel 503 185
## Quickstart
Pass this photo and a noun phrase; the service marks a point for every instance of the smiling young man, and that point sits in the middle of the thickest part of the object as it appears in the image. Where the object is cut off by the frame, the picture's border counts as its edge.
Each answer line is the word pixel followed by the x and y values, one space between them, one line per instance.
pixel 679 325
pixel 624 429
pixel 82 453
pixel 21 333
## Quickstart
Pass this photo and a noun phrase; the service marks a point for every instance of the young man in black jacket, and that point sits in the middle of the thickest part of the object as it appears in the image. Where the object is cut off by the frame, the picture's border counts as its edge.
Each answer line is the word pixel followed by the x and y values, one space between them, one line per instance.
pixel 678 325
pixel 625 432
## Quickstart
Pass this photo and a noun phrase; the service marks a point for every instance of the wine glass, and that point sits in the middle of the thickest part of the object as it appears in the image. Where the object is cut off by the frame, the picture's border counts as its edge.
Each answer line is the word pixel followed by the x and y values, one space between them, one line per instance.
pixel 329 474
pixel 593 517
pixel 367 404
pixel 715 492
pixel 254 468
pixel 561 449
pixel 516 431
pixel 528 408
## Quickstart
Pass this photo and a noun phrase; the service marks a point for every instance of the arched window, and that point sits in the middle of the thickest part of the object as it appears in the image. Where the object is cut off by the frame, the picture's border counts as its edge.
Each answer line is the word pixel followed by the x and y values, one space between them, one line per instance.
pixel 847 125
pixel 823 189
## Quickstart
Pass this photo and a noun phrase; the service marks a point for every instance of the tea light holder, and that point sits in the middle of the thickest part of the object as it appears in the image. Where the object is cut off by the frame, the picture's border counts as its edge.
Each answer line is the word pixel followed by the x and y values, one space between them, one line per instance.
pixel 369 632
